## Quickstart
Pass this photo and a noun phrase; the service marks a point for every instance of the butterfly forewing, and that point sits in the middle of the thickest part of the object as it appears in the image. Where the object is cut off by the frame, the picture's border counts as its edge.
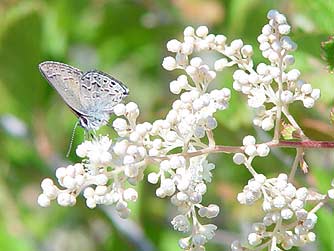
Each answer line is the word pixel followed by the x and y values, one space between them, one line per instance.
pixel 66 80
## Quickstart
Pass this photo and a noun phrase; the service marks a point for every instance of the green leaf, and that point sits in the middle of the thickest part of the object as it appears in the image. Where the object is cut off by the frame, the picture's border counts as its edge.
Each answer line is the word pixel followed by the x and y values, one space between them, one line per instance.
pixel 20 54
pixel 328 52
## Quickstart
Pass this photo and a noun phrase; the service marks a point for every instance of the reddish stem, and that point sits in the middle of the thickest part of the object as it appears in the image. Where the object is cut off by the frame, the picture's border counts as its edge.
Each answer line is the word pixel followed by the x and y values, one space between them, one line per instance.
pixel 236 149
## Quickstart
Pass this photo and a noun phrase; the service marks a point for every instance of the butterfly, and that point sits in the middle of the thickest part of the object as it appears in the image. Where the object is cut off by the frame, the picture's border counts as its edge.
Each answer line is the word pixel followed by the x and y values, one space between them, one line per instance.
pixel 91 95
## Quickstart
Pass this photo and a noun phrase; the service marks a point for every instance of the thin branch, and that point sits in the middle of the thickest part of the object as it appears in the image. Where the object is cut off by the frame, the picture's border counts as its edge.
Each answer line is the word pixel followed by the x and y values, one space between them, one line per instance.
pixel 294 167
pixel 236 149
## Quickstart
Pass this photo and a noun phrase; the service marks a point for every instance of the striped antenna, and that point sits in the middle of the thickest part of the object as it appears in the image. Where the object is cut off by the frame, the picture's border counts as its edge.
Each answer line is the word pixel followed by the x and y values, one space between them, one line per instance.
pixel 72 138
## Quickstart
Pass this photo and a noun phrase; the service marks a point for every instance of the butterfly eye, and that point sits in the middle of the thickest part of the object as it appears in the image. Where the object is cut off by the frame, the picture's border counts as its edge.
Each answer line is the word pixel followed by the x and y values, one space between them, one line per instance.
pixel 83 122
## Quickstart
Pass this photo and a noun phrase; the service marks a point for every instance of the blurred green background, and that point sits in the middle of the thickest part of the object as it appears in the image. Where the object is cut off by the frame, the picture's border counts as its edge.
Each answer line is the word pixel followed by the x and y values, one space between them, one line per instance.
pixel 127 39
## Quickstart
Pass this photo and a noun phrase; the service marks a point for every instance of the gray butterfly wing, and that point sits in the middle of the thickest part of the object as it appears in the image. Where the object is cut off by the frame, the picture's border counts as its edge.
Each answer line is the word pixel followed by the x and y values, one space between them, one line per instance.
pixel 66 80
pixel 100 92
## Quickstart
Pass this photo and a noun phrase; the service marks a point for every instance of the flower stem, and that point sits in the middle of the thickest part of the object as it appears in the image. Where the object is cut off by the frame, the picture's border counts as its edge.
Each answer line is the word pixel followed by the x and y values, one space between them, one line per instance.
pixel 237 149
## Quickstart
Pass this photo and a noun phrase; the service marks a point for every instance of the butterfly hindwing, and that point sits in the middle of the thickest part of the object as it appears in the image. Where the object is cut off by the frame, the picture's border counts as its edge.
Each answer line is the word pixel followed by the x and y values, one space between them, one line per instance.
pixel 101 90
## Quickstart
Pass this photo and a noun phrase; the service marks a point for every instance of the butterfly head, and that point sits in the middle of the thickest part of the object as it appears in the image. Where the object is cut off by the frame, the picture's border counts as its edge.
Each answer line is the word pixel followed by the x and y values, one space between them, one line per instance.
pixel 93 123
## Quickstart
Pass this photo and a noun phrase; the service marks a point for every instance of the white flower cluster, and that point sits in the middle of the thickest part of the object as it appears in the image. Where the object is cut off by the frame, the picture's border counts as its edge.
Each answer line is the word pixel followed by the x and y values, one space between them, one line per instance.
pixel 285 208
pixel 251 150
pixel 273 83
pixel 179 143
pixel 92 177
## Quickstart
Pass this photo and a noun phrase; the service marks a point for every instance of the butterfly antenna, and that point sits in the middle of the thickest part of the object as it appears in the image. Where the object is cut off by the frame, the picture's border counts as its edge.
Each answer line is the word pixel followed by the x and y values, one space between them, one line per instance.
pixel 72 138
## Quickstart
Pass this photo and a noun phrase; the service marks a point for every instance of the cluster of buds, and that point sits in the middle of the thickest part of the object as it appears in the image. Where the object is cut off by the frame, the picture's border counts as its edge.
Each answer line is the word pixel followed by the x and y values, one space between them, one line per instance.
pixel 111 169
pixel 284 206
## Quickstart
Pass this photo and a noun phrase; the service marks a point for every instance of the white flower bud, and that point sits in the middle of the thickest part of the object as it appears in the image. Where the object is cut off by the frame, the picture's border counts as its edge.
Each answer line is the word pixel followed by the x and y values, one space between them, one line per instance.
pixel 247 50
pixel 220 39
pixel 201 188
pixel 254 186
pixel 280 18
pixel 141 130
pixel 69 182
pixel 119 109
pixel 262 68
pixel 43 200
pixel 199 240
pixel 254 239
pixel 46 183
pixel 284 29
pixel 273 56
pixel 187 48
pixel 262 150
pixel 125 213
pixel 196 61
pixel 203 212
pixel 311 237
pixel 184 243
pixel 262 38
pixel 267 124
pixel 288 44
pixel 293 75
pixel 175 87
pixel 130 194
pixel 236 44
pixel 279 202
pixel 248 140
pixel 101 190
pixel 250 150
pixel 211 123
pixel 66 199
pixel 260 178
pixel 296 204
pixel 121 147
pixel 315 94
pixel 128 159
pixel 267 30
pixel 331 193
pixel 202 31
pixel 199 132
pixel 276 46
pixel 308 102
pixel 287 97
pixel 272 14
pixel 153 178
pixel 165 165
pixel 301 193
pixel 120 124
pixel 241 197
pixel 169 63
pixel 289 60
pixel 173 45
pixel 91 203
pixel 134 136
pixel 286 213
pixel 239 158
pixel 161 193
pixel 213 211
pixel 89 192
pixel 189 31
pixel 191 70
pixel 229 51
pixel 168 186
pixel 83 149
